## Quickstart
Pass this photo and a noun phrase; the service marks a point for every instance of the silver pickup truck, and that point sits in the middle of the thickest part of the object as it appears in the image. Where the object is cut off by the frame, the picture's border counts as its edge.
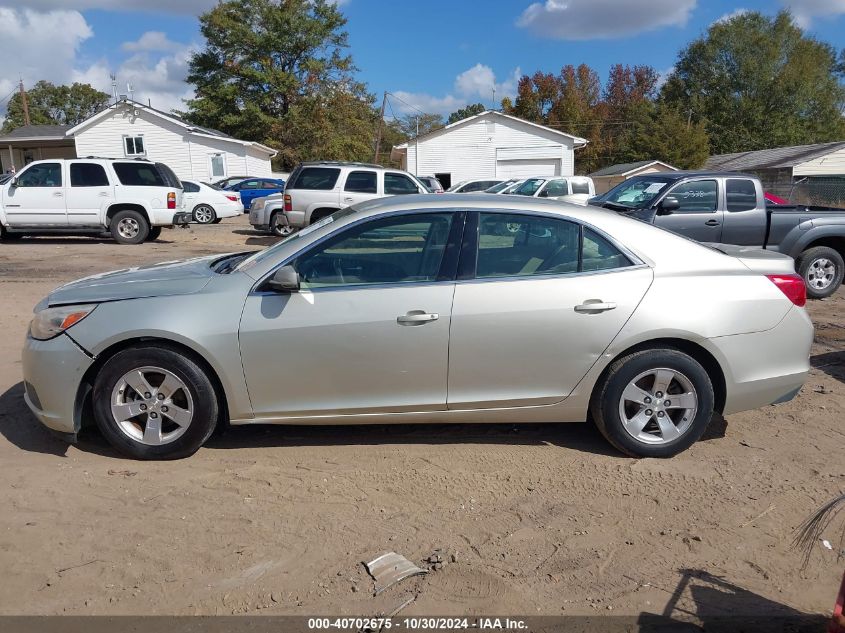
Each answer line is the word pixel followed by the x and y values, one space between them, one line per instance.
pixel 730 208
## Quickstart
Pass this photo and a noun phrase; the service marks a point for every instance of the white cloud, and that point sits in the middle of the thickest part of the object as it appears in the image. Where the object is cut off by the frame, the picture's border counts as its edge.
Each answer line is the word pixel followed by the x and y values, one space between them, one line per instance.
pixel 805 10
pixel 730 16
pixel 472 85
pixel 152 41
pixel 602 19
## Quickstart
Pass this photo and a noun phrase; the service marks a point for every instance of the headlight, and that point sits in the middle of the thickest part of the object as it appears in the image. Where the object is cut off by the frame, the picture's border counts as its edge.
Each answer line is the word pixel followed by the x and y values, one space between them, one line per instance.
pixel 51 322
pixel 258 204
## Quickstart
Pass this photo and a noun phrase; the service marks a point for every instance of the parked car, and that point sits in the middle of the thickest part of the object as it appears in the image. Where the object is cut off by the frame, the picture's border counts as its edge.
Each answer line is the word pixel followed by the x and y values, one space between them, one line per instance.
pixel 133 199
pixel 366 317
pixel 569 188
pixel 500 187
pixel 231 180
pixel 473 186
pixel 253 188
pixel 730 208
pixel 431 183
pixel 773 199
pixel 209 204
pixel 318 189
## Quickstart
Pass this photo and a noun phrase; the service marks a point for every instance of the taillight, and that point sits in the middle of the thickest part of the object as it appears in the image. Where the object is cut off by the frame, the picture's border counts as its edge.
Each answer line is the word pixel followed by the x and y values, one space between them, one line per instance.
pixel 792 286
pixel 233 198
pixel 288 204
pixel 171 200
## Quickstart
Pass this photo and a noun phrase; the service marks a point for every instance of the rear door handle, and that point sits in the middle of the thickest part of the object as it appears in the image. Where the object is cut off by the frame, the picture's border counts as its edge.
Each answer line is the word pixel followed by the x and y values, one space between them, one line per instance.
pixel 347 199
pixel 589 307
pixel 712 223
pixel 417 317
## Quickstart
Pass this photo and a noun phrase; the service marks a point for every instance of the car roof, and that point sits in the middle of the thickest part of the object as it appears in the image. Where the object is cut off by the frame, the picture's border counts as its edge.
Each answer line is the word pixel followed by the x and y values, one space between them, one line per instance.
pixel 680 175
pixel 340 163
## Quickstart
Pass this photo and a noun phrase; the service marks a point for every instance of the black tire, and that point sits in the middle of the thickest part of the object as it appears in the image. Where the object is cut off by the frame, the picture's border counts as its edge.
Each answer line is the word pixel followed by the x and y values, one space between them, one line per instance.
pixel 217 220
pixel 154 234
pixel 206 410
pixel 808 269
pixel 129 218
pixel 279 230
pixel 9 237
pixel 605 402
pixel 207 212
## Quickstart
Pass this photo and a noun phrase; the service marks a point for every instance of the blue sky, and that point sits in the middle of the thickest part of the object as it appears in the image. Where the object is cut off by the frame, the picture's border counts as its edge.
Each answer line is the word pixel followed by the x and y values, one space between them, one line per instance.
pixel 437 55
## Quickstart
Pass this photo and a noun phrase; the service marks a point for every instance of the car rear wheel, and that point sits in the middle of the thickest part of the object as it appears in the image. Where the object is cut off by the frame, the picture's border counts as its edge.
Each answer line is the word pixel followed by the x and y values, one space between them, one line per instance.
pixel 654 403
pixel 6 236
pixel 822 269
pixel 278 227
pixel 204 214
pixel 129 227
pixel 154 403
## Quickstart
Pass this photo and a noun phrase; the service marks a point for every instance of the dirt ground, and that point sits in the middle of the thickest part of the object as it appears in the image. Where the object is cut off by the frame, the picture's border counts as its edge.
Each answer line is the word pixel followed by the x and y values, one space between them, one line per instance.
pixel 532 519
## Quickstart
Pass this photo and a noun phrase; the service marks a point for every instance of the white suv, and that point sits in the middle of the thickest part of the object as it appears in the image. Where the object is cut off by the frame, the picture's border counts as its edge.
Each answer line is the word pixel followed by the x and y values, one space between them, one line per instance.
pixel 315 190
pixel 130 198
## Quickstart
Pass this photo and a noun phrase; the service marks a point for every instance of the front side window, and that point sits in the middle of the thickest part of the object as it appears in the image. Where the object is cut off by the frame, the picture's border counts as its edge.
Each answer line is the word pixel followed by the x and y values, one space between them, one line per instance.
pixel 397 185
pixel 555 188
pixel 42 175
pixel 88 175
pixel 399 249
pixel 249 184
pixel 134 145
pixel 516 245
pixel 741 195
pixel 362 182
pixel 697 196
pixel 319 178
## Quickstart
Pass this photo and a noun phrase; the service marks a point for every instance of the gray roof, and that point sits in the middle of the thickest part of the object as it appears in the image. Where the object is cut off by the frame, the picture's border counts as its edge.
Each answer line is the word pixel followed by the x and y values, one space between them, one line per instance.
pixel 775 158
pixel 624 168
pixel 44 132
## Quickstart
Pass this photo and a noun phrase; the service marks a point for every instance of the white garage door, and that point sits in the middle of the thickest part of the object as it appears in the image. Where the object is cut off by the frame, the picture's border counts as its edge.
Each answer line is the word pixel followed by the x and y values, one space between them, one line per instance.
pixel 528 167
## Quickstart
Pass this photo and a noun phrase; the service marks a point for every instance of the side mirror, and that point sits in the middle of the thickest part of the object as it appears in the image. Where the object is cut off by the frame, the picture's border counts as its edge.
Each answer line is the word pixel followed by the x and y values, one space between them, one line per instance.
pixel 668 206
pixel 286 279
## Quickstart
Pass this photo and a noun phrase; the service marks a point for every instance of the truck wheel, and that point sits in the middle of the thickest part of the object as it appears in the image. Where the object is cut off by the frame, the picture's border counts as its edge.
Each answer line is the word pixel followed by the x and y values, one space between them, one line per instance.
pixel 129 227
pixel 278 228
pixel 8 237
pixel 154 234
pixel 822 269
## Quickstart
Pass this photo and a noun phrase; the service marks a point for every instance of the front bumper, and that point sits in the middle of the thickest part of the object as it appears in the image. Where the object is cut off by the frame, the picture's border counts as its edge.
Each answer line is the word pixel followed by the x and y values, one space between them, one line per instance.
pixel 52 373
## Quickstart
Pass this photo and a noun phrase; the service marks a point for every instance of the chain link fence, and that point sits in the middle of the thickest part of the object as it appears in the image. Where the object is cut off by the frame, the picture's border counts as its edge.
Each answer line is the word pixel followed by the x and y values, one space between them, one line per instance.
pixel 828 192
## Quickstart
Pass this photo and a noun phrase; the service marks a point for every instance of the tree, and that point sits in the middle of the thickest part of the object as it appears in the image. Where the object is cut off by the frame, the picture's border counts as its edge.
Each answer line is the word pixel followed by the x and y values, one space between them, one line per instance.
pixel 660 132
pixel 55 105
pixel 466 112
pixel 427 123
pixel 277 72
pixel 759 82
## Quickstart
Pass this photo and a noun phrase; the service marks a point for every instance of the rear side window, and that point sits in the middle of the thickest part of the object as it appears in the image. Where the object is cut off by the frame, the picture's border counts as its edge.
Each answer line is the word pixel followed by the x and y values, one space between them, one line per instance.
pixel 88 175
pixel 580 187
pixel 190 187
pixel 170 178
pixel 362 182
pixel 320 178
pixel 741 195
pixel 270 184
pixel 599 254
pixel 139 175
pixel 397 185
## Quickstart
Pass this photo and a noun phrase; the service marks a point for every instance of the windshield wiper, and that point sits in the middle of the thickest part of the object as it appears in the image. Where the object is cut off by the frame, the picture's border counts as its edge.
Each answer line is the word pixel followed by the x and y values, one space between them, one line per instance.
pixel 618 206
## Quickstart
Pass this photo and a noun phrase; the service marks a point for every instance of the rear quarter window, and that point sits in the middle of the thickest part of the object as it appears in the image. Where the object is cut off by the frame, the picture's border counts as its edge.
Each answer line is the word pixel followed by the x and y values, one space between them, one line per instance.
pixel 319 178
pixel 141 175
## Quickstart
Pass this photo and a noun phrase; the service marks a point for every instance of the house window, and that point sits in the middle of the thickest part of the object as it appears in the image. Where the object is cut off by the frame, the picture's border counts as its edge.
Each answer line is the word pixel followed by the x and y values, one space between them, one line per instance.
pixel 218 165
pixel 134 145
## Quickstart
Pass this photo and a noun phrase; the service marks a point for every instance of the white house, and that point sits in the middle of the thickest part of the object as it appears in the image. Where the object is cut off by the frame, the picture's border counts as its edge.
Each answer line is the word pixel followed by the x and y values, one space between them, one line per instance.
pixel 130 129
pixel 490 145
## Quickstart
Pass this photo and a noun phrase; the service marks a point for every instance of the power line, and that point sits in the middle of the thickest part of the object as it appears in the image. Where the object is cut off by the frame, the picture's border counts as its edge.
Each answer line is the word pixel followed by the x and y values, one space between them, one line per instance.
pixel 407 104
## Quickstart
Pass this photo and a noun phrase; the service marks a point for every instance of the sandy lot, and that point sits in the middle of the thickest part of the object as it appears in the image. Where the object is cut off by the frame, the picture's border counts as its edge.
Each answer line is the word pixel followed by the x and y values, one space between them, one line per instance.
pixel 540 519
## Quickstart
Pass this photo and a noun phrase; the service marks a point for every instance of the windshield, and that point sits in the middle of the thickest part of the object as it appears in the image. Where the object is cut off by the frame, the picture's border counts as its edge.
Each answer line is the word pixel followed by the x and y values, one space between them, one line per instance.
pixel 529 187
pixel 636 192
pixel 260 256
pixel 501 186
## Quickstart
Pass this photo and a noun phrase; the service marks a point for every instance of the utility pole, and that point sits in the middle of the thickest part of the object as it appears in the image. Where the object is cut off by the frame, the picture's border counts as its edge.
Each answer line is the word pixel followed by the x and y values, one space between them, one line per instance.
pixel 380 124
pixel 26 120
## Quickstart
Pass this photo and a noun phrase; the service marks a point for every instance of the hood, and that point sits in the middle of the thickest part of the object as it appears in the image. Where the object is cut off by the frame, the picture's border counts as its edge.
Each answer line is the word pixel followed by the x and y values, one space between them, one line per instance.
pixel 155 280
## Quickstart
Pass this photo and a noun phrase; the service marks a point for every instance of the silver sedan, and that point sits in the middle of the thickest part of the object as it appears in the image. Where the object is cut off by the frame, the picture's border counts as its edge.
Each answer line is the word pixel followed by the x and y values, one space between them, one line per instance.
pixel 463 308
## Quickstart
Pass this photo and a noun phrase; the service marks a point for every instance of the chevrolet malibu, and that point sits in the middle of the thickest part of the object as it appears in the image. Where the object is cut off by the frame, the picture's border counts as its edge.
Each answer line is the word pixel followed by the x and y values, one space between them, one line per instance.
pixel 454 308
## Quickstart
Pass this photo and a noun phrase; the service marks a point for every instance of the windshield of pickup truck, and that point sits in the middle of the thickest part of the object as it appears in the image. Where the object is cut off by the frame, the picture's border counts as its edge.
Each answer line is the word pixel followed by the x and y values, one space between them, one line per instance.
pixel 635 192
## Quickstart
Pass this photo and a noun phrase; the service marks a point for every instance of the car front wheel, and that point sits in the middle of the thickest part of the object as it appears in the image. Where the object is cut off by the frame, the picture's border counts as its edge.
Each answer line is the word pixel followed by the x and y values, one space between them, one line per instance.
pixel 654 403
pixel 154 402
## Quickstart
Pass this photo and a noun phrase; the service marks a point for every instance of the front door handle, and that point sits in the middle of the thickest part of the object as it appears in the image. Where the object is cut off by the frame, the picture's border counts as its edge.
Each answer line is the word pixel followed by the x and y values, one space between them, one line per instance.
pixel 712 223
pixel 58 194
pixel 104 194
pixel 595 306
pixel 417 317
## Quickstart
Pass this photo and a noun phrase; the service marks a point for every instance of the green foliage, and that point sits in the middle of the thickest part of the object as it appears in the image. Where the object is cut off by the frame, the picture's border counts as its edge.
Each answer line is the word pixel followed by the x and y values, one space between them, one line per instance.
pixel 465 113
pixel 758 82
pixel 407 125
pixel 659 132
pixel 55 105
pixel 277 73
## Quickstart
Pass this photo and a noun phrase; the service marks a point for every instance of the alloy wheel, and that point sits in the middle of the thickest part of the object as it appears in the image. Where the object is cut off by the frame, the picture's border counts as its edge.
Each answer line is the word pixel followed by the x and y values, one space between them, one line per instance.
pixel 128 228
pixel 151 405
pixel 658 406
pixel 203 214
pixel 821 273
